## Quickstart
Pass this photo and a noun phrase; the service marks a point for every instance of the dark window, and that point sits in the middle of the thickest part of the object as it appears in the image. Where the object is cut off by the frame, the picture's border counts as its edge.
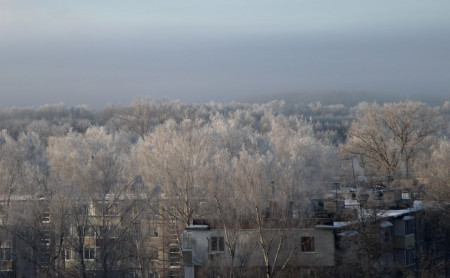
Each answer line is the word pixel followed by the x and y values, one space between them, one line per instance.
pixel 387 236
pixel 45 239
pixel 90 231
pixel 217 244
pixel 89 253
pixel 307 244
pixel 113 209
pixel 109 232
pixel 409 227
pixel 187 241
pixel 67 254
pixel 81 209
pixel 45 217
pixel 153 254
pixel 5 254
pixel 440 248
pixel 133 275
pixel 409 257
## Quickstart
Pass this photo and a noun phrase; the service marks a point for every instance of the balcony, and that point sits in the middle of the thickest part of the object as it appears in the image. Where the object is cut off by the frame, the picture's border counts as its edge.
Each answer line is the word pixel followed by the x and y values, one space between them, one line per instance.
pixel 404 242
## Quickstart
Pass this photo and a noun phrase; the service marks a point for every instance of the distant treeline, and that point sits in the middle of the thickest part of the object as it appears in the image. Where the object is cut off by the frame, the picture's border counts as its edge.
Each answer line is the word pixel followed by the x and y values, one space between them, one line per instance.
pixel 352 98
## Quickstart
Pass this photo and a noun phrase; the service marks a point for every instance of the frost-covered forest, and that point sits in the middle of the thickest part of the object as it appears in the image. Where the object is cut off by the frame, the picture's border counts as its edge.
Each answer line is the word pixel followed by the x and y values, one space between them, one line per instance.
pixel 157 164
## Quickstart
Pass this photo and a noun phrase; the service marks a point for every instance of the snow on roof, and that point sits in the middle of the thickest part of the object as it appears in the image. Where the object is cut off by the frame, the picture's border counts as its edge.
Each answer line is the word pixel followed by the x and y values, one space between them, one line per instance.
pixel 338 224
pixel 15 197
pixel 394 213
pixel 348 233
pixel 351 203
pixel 335 225
pixel 386 224
pixel 198 227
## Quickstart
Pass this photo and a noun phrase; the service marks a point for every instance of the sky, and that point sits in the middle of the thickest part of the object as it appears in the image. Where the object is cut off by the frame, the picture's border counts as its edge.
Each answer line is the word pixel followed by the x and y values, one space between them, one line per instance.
pixel 98 52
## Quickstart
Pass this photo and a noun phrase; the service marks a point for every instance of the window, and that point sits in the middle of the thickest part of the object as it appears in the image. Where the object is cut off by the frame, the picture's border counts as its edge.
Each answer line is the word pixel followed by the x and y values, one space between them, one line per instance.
pixel 67 254
pixel 217 244
pixel 387 236
pixel 439 248
pixel 108 232
pixel 307 244
pixel 187 241
pixel 113 209
pixel 89 253
pixel 45 216
pixel 409 257
pixel 153 254
pixel 134 274
pixel 81 209
pixel 5 254
pixel 409 227
pixel 45 239
pixel 174 256
pixel 90 231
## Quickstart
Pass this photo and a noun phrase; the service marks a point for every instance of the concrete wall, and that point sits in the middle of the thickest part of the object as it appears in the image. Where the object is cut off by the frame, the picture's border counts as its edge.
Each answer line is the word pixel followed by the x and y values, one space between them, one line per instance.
pixel 249 252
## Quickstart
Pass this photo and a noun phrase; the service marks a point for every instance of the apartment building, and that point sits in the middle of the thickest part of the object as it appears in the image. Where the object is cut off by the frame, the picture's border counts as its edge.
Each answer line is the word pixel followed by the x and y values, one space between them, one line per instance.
pixel 390 243
pixel 110 235
pixel 209 249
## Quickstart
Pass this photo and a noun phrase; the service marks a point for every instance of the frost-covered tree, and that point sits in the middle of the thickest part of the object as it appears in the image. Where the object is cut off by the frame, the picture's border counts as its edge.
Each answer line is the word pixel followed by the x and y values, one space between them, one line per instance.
pixel 268 208
pixel 92 170
pixel 23 166
pixel 308 164
pixel 172 158
pixel 392 135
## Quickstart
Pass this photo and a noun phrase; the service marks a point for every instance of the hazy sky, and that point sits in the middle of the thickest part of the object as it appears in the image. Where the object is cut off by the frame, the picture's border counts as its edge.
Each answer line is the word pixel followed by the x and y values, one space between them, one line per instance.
pixel 98 52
